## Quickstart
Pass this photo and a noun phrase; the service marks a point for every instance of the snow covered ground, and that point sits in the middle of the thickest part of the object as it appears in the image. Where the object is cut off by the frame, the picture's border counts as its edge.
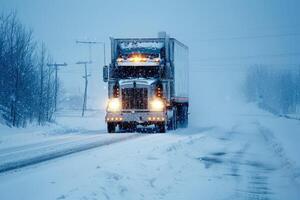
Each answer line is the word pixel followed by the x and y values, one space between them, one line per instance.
pixel 251 156
pixel 68 123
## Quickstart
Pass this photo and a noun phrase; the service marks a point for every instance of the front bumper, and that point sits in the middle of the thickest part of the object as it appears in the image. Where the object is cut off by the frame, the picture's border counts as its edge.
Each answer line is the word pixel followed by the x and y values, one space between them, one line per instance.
pixel 139 117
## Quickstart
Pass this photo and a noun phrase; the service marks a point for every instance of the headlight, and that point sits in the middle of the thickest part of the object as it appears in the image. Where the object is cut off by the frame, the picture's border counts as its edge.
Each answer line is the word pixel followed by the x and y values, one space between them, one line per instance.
pixel 157 105
pixel 114 105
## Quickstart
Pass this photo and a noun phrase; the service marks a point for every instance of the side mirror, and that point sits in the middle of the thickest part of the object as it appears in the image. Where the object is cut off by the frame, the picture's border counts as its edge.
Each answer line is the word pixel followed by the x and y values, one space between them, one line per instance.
pixel 105 73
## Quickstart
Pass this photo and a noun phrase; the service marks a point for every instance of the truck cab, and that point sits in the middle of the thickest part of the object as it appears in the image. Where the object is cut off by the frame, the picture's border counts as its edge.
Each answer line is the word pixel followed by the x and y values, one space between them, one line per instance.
pixel 142 86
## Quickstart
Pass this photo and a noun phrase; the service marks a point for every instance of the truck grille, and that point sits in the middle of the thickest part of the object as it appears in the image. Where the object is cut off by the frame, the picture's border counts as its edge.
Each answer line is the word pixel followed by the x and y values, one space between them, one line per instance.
pixel 134 98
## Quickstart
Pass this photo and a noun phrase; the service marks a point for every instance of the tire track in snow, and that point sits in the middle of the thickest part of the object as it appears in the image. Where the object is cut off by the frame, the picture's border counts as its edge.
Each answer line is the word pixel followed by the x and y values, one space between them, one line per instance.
pixel 9 151
pixel 279 152
pixel 260 171
pixel 61 150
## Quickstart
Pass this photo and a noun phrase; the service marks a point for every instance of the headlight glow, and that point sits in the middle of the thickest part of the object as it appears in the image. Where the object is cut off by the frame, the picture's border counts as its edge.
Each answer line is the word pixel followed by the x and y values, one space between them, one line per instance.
pixel 157 105
pixel 114 105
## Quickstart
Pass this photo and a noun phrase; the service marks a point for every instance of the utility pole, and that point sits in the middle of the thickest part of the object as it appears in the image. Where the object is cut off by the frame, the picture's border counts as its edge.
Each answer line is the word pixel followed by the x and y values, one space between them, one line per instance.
pixel 56 65
pixel 90 43
pixel 86 85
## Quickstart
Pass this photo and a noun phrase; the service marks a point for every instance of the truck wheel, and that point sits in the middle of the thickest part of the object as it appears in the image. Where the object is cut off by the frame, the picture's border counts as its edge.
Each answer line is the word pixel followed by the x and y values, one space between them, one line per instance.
pixel 111 127
pixel 186 122
pixel 172 124
pixel 161 127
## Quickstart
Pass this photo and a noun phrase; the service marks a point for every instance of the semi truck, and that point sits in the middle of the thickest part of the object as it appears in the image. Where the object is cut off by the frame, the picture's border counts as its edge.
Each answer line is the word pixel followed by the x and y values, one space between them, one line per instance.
pixel 147 84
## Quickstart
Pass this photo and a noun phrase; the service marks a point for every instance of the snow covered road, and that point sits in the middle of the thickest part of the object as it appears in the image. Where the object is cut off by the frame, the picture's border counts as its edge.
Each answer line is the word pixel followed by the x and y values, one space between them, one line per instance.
pixel 21 156
pixel 247 160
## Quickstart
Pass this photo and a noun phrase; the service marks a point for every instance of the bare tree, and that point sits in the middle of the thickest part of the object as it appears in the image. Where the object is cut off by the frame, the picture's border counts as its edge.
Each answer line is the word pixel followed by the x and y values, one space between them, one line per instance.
pixel 274 89
pixel 41 96
pixel 26 86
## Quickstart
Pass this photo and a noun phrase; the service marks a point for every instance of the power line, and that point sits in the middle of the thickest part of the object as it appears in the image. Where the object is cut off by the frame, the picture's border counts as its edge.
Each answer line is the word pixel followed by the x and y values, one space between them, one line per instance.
pixel 94 70
pixel 253 37
pixel 90 43
pixel 247 64
pixel 247 57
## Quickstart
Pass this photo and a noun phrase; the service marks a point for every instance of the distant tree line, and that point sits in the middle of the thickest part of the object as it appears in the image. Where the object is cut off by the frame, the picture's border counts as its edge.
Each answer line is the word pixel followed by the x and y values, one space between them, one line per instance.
pixel 27 84
pixel 276 89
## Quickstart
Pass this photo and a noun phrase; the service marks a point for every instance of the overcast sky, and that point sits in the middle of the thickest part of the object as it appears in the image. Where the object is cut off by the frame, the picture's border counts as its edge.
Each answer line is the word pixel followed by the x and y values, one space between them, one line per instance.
pixel 219 33
pixel 60 22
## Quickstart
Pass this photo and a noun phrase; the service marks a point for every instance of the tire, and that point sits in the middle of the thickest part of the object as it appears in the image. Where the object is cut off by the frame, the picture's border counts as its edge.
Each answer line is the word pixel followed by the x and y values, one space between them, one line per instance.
pixel 182 116
pixel 111 127
pixel 161 127
pixel 121 127
pixel 186 122
pixel 172 123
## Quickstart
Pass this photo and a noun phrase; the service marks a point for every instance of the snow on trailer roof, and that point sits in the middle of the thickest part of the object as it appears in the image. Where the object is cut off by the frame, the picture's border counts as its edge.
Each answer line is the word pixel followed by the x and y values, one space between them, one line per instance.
pixel 139 39
pixel 124 46
pixel 148 40
pixel 141 45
